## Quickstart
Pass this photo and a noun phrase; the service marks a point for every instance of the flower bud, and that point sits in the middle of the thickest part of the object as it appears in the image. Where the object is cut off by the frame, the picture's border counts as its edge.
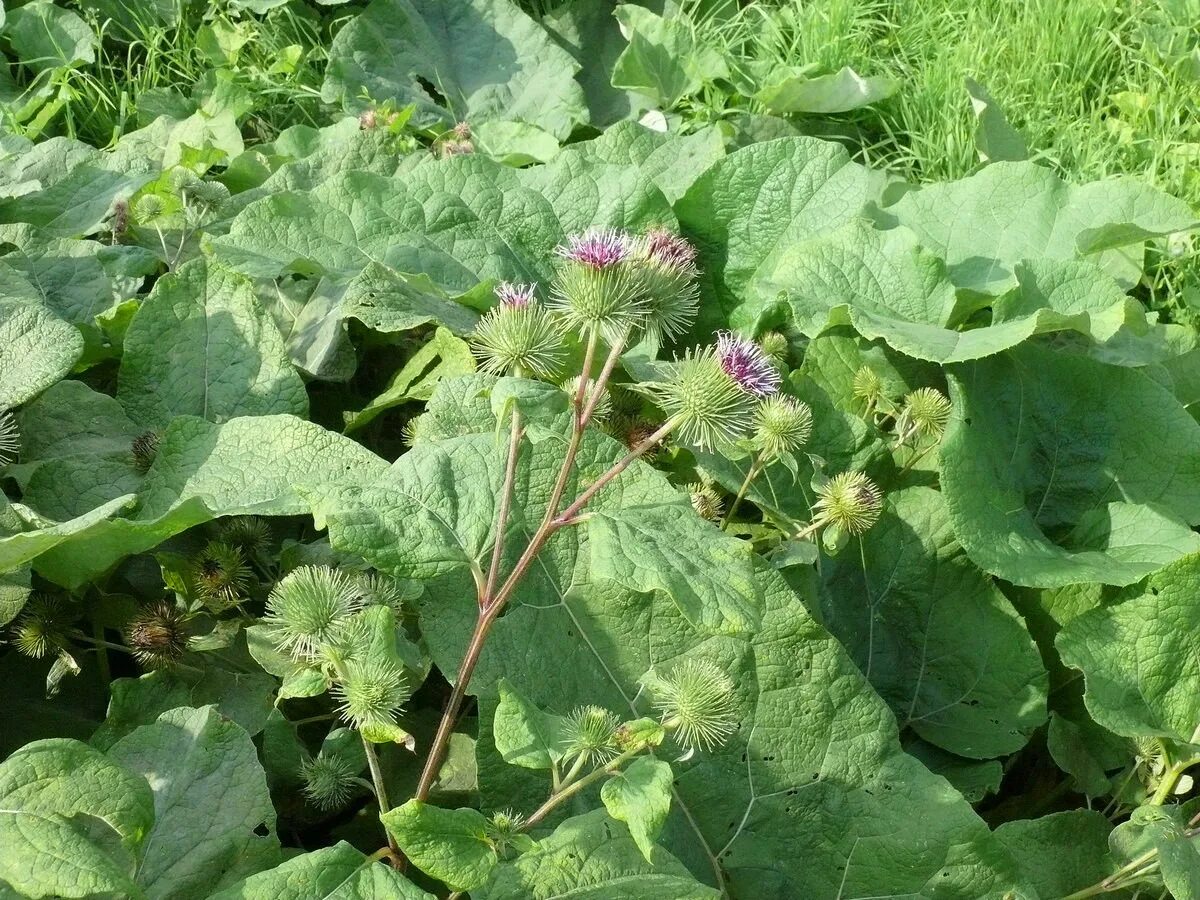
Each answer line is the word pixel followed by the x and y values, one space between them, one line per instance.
pixel 371 693
pixel 926 413
pixel 42 627
pixel 329 781
pixel 868 387
pixel 519 339
pixel 158 635
pixel 709 406
pixel 744 362
pixel 782 425
pixel 850 501
pixel 310 608
pixel 666 267
pixel 632 430
pixel 249 534
pixel 597 288
pixel 695 703
pixel 221 575
pixel 10 438
pixel 410 433
pixel 776 347
pixel 590 732
pixel 379 590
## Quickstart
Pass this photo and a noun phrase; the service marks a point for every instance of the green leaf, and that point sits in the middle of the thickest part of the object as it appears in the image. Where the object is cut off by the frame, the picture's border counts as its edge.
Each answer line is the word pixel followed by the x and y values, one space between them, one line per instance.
pixel 973 778
pixel 1060 853
pixel 50 792
pixel 77 867
pixel 1009 211
pixel 200 345
pixel 1043 469
pixel 995 139
pixel 591 856
pixel 261 465
pixel 487 59
pixel 672 161
pixel 1161 829
pixel 525 735
pixel 640 796
pixel 888 287
pixel 388 301
pixel 339 872
pixel 44 36
pixel 588 31
pixel 757 202
pixel 444 356
pixel 25 546
pixel 75 451
pixel 451 845
pixel 245 698
pixel 1086 752
pixel 210 796
pixel 669 549
pixel 937 640
pixel 66 778
pixel 840 91
pixel 661 59
pixel 779 785
pixel 67 188
pixel 1142 678
pixel 36 350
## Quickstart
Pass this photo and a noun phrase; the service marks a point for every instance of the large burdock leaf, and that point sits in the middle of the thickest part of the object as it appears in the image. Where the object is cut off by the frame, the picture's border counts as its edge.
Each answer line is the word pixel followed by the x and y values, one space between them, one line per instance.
pixel 200 345
pixel 984 224
pixel 76 451
pixel 1062 852
pixel 339 872
pixel 40 535
pixel 211 802
pixel 757 201
pixel 811 795
pixel 940 643
pixel 1138 658
pixel 59 798
pixel 68 778
pixel 452 845
pixel 460 222
pixel 812 792
pixel 648 548
pixel 44 36
pixel 886 286
pixel 592 856
pixel 36 349
pixel 486 60
pixel 264 465
pixel 1058 469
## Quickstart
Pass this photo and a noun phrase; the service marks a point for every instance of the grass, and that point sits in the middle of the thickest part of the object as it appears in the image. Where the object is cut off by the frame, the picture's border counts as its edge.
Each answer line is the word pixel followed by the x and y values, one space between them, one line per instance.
pixel 1097 87
pixel 271 65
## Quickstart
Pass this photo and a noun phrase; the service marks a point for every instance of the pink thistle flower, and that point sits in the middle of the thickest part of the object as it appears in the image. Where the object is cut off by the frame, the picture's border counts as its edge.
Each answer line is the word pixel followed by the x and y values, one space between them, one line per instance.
pixel 598 249
pixel 515 295
pixel 744 362
pixel 670 250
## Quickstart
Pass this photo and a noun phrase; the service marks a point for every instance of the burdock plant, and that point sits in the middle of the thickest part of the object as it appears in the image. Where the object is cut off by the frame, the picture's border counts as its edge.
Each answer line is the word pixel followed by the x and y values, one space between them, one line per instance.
pixel 611 291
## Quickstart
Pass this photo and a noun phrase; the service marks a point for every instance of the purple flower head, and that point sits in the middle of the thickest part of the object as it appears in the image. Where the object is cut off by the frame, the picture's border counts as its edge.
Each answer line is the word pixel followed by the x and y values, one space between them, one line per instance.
pixel 515 295
pixel 744 362
pixel 598 249
pixel 670 250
